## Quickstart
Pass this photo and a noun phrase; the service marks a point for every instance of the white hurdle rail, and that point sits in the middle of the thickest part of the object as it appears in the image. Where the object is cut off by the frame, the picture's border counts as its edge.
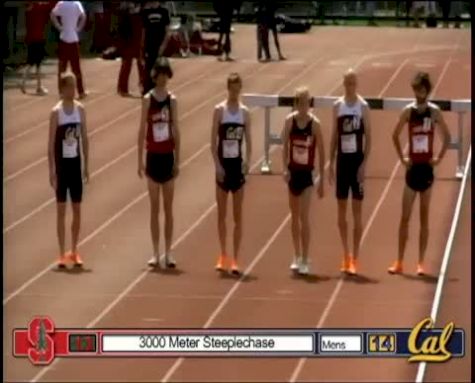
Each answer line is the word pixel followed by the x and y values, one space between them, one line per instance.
pixel 268 102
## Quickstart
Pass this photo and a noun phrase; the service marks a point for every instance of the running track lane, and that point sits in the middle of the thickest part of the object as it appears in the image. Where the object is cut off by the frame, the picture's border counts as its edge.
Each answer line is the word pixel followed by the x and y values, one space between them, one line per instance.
pixel 174 297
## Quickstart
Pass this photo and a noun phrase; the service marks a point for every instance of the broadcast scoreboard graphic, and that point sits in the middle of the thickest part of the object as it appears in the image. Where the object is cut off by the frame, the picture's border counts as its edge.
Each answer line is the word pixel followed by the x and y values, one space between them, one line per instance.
pixel 41 342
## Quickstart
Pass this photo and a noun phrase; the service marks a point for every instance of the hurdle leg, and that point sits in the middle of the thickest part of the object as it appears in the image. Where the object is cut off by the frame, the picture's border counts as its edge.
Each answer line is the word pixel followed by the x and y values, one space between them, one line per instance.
pixel 460 166
pixel 266 163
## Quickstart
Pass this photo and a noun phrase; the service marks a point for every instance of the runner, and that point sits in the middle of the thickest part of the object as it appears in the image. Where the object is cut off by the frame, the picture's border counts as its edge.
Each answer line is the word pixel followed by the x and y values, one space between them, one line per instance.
pixel 231 124
pixel 159 130
pixel 67 136
pixel 301 136
pixel 422 118
pixel 350 145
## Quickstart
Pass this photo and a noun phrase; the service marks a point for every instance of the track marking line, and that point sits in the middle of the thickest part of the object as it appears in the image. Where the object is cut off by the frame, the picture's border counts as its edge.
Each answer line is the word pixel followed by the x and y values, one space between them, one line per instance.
pixel 339 285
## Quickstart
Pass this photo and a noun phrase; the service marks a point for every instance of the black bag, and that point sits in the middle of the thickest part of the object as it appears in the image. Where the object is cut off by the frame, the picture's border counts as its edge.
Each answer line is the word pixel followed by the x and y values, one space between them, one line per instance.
pixel 431 21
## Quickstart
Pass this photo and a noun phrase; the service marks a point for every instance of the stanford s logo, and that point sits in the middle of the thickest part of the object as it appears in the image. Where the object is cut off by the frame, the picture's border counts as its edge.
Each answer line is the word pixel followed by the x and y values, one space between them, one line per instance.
pixel 41 351
pixel 431 348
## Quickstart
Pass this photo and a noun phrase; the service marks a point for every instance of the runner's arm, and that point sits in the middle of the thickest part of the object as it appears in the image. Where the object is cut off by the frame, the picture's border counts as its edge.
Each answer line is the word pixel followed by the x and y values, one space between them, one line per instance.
pixel 397 133
pixel 333 141
pixel 214 135
pixel 285 143
pixel 367 127
pixel 444 133
pixel 248 136
pixel 320 147
pixel 85 139
pixel 176 131
pixel 142 126
pixel 53 125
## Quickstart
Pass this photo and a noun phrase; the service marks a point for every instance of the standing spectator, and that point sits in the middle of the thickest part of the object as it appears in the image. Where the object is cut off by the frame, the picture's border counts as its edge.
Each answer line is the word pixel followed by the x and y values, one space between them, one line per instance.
pixel 130 38
pixel 445 7
pixel 156 21
pixel 100 31
pixel 262 32
pixel 271 8
pixel 69 18
pixel 225 10
pixel 37 16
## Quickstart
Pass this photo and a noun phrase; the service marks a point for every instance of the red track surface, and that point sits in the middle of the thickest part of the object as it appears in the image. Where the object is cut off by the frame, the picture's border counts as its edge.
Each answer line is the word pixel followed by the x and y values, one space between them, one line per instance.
pixel 116 290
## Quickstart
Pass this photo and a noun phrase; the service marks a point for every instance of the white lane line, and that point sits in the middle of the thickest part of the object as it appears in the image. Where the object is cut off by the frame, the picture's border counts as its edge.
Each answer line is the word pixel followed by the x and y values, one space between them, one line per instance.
pixel 339 285
pixel 421 369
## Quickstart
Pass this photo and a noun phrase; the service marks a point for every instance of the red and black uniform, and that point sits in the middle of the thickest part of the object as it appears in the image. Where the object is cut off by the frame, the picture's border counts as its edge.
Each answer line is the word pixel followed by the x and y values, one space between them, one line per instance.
pixel 37 17
pixel 420 175
pixel 350 152
pixel 230 137
pixel 302 145
pixel 160 143
pixel 67 147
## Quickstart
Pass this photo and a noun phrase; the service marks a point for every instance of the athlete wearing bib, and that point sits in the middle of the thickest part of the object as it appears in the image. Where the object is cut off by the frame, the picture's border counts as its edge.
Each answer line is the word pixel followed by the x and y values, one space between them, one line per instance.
pixel 423 119
pixel 231 125
pixel 350 147
pixel 67 168
pixel 159 135
pixel 301 137
pixel 160 159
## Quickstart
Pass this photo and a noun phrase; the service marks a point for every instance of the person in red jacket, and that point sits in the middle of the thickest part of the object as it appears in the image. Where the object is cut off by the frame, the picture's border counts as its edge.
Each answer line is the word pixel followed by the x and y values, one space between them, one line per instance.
pixel 37 17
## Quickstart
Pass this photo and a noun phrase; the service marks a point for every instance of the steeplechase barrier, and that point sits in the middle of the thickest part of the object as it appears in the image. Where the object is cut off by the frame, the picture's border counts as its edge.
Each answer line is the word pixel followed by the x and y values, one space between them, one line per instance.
pixel 269 102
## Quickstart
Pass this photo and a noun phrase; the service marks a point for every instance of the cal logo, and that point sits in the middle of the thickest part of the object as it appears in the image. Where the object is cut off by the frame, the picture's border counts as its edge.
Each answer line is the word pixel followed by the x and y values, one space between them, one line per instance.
pixel 432 348
pixel 382 343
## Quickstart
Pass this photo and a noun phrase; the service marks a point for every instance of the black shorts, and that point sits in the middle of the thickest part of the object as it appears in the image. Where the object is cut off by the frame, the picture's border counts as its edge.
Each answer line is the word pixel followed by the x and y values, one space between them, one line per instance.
pixel 347 179
pixel 420 177
pixel 69 179
pixel 299 181
pixel 159 167
pixel 234 178
pixel 36 53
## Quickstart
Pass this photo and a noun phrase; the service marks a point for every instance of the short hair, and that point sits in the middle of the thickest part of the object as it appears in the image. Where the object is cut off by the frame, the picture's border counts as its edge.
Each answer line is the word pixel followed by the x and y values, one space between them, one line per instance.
pixel 234 78
pixel 162 65
pixel 300 92
pixel 349 73
pixel 66 78
pixel 422 80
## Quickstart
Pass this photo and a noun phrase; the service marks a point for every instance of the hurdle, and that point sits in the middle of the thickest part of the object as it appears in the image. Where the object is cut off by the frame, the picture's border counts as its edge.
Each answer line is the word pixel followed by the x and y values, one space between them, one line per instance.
pixel 269 102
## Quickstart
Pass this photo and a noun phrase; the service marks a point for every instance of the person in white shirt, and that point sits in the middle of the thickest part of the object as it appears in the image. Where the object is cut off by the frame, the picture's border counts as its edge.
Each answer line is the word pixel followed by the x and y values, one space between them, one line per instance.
pixel 69 18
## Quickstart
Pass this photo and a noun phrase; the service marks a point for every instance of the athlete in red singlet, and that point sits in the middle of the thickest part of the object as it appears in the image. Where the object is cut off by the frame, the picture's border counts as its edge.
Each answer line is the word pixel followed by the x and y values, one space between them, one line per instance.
pixel 300 136
pixel 423 118
pixel 159 131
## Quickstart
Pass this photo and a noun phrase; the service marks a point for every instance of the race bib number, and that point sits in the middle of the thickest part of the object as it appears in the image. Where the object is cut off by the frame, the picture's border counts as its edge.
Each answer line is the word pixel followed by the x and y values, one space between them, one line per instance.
pixel 420 143
pixel 70 148
pixel 300 155
pixel 230 148
pixel 161 132
pixel 348 143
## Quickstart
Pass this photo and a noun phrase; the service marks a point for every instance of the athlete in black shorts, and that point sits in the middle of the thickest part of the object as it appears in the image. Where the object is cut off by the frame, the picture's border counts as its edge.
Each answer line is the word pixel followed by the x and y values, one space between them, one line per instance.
pixel 350 146
pixel 301 136
pixel 423 119
pixel 231 125
pixel 67 136
pixel 159 130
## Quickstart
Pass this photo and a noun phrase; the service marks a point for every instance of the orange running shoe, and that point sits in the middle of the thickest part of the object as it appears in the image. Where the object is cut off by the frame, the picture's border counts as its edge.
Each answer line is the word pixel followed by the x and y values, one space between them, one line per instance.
pixel 352 266
pixel 420 269
pixel 345 263
pixel 235 268
pixel 62 261
pixel 221 264
pixel 396 268
pixel 76 258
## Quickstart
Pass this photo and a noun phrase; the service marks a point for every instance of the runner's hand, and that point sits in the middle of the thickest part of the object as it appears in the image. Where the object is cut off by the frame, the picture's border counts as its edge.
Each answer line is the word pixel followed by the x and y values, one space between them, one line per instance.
pixel 286 176
pixel 53 181
pixel 219 173
pixel 331 175
pixel 320 191
pixel 176 170
pixel 85 176
pixel 435 161
pixel 141 169
pixel 406 161
pixel 361 173
pixel 245 168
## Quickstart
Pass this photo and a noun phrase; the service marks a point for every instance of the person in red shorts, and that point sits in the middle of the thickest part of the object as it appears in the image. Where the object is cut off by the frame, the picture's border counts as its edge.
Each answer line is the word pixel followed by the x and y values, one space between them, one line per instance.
pixel 37 17
pixel 130 33
pixel 69 18
pixel 301 138
pixel 67 136
pixel 230 127
pixel 159 131
pixel 423 119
